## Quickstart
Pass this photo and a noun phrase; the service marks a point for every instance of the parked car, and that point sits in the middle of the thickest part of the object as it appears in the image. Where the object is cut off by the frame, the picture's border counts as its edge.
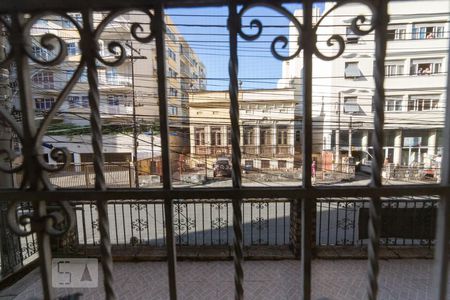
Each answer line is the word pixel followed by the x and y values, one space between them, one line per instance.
pixel 222 167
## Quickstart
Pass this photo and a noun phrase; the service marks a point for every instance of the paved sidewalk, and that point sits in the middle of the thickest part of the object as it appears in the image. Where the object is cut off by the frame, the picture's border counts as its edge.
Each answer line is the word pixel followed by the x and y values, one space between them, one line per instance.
pixel 332 279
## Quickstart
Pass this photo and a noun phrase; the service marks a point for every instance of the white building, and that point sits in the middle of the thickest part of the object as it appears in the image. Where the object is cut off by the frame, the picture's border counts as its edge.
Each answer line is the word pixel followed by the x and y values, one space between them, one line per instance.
pixel 343 88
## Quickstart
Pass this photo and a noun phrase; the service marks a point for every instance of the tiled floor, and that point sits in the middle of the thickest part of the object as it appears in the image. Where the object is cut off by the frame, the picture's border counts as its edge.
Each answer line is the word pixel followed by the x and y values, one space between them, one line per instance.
pixel 332 279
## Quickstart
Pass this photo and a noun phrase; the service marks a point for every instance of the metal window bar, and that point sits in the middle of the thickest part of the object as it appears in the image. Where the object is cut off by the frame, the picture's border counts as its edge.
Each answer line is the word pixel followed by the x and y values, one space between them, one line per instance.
pixel 233 27
pixel 159 29
pixel 442 224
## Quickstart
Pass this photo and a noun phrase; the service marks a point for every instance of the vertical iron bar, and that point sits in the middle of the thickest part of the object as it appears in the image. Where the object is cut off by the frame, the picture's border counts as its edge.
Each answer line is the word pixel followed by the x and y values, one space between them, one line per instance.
pixel 328 222
pixel 92 223
pixel 381 20
pixel 159 28
pixel 156 224
pixel 233 24
pixel 443 212
pixel 83 219
pixel 130 206
pixel 33 171
pixel 203 222
pixel 228 232
pixel 195 223
pixel 284 223
pixel 148 223
pixel 267 221
pixel 306 208
pixel 211 222
pixel 320 223
pixel 124 227
pixel 90 50
pixel 115 223
pixel 259 221
pixel 220 227
pixel 354 221
pixel 337 223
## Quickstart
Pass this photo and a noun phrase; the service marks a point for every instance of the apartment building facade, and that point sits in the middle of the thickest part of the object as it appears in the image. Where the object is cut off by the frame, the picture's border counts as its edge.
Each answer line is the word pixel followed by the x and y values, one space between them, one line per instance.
pixel 119 89
pixel 416 60
pixel 267 121
pixel 131 84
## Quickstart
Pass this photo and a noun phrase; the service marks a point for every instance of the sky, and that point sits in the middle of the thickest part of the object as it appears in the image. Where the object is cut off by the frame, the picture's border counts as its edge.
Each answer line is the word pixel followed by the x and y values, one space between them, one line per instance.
pixel 205 30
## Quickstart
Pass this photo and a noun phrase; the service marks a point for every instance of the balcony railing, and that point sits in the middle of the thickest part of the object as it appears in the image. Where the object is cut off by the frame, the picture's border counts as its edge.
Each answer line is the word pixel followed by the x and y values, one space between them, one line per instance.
pixel 54 213
pixel 284 150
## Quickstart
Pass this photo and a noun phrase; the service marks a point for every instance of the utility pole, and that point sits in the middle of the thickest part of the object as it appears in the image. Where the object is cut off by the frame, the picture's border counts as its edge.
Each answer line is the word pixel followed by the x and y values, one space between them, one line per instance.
pixel 10 249
pixel 132 57
pixel 350 137
pixel 338 133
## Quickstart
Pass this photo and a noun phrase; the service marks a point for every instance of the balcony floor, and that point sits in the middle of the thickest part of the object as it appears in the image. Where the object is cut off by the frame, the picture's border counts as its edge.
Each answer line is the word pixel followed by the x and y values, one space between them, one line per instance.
pixel 332 279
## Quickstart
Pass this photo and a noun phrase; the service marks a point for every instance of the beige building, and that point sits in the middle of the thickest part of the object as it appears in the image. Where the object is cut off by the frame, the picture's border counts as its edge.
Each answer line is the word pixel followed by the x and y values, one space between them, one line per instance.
pixel 267 121
pixel 118 88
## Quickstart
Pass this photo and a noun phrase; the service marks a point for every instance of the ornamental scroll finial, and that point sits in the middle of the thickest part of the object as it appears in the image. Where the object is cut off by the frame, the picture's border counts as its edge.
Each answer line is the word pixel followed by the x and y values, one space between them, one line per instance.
pixel 116 48
pixel 281 41
pixel 356 27
pixel 54 223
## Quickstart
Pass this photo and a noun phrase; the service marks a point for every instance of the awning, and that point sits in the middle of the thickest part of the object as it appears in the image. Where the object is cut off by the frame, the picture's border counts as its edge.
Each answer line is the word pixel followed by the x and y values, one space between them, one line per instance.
pixel 352 70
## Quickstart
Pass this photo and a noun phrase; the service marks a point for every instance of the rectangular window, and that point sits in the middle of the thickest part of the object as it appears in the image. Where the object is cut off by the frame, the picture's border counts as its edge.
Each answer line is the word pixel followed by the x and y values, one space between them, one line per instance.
pixel 351 105
pixel 425 66
pixel 72 49
pixel 173 92
pixel 173 110
pixel 171 54
pixel 423 103
pixel 352 70
pixel 281 164
pixel 282 135
pixel 170 34
pixel 85 101
pixel 264 136
pixel 351 37
pixel 40 52
pixel 172 73
pixel 216 136
pixel 394 68
pixel 112 77
pixel 393 104
pixel 396 32
pixel 44 104
pixel 428 31
pixel 265 164
pixel 114 99
pixel 249 135
pixel 44 79
pixel 74 101
pixel 199 134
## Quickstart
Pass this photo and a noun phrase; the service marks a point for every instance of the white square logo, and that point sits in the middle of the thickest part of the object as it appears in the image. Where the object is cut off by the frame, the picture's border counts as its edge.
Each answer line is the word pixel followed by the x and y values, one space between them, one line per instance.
pixel 74 272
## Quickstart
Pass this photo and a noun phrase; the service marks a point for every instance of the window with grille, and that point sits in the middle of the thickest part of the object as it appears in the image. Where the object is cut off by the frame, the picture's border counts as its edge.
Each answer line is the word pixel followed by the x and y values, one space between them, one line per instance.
pixel 199 136
pixel 423 103
pixel 44 79
pixel 216 136
pixel 394 68
pixel 44 104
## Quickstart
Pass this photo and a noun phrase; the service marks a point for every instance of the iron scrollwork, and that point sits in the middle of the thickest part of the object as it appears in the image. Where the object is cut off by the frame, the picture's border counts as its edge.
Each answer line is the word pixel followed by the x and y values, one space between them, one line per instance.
pixel 17 30
pixel 282 40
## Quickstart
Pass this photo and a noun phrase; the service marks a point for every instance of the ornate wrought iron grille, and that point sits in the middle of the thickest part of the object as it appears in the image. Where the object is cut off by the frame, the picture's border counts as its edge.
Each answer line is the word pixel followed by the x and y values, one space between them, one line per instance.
pixel 19 16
